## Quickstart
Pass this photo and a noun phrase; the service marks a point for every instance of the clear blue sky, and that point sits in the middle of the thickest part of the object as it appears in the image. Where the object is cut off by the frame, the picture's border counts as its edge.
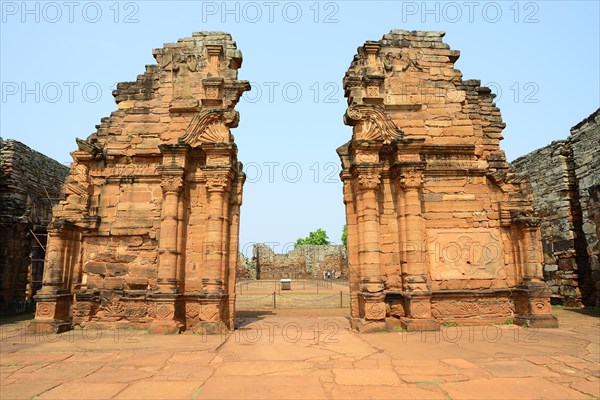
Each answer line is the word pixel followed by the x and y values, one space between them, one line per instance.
pixel 60 60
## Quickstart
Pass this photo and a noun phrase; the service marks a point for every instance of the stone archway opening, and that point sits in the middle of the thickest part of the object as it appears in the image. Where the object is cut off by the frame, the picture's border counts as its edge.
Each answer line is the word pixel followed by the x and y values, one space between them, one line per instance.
pixel 439 229
pixel 308 280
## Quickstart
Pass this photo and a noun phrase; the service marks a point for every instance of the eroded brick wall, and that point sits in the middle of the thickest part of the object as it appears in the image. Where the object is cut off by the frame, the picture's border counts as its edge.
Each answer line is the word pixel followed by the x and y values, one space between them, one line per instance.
pixel 29 184
pixel 565 178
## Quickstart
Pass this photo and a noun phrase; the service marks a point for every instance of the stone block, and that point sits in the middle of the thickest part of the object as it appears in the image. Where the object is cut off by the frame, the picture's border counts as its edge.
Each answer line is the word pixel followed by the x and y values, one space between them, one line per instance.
pixel 113 283
pixel 98 268
pixel 114 269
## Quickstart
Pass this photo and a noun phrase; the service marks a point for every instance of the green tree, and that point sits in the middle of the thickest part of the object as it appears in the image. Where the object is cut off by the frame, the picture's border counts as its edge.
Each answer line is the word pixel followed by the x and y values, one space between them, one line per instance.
pixel 317 237
pixel 345 236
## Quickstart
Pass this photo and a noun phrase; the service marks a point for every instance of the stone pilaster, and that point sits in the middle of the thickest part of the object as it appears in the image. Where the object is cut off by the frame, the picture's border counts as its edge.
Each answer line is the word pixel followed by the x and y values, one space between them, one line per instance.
pixel 53 302
pixel 217 184
pixel 415 271
pixel 352 244
pixel 168 251
pixel 532 296
pixel 371 297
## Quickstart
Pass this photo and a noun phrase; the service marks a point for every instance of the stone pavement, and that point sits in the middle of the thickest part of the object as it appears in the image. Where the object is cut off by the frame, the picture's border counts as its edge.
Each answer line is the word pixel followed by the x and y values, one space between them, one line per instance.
pixel 288 356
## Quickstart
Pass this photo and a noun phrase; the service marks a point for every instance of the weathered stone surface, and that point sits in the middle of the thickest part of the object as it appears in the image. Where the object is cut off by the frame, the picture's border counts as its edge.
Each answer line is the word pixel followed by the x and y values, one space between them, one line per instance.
pixel 30 184
pixel 438 228
pixel 147 233
pixel 302 262
pixel 565 179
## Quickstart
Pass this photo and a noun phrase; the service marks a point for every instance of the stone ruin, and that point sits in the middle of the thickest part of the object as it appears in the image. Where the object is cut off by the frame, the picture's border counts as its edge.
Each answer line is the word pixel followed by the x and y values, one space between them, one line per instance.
pixel 30 183
pixel 565 179
pixel 302 262
pixel 147 234
pixel 439 230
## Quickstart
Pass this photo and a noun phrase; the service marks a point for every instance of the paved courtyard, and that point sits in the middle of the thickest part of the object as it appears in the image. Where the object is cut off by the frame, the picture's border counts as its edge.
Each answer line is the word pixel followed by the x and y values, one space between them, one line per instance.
pixel 291 354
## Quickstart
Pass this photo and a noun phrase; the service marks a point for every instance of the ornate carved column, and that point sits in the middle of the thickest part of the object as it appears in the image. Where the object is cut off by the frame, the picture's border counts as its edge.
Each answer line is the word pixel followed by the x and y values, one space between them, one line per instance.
pixel 372 296
pixel 217 184
pixel 234 234
pixel 532 297
pixel 168 245
pixel 168 294
pixel 54 265
pixel 414 274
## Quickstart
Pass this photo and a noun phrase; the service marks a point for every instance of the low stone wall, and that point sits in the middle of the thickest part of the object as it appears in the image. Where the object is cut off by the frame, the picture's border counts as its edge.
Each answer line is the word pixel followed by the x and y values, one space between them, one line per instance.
pixel 303 262
pixel 30 183
pixel 565 178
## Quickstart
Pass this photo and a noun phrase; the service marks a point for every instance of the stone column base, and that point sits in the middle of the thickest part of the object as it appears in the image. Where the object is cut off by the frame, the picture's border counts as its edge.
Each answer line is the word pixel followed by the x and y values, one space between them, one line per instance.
pixel 372 311
pixel 418 312
pixel 165 314
pixel 38 327
pixel 52 314
pixel 204 312
pixel 532 306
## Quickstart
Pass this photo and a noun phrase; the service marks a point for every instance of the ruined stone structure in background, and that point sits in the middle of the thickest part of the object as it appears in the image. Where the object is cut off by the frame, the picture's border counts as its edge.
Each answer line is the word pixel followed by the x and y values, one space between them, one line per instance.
pixel 565 177
pixel 438 228
pixel 147 234
pixel 303 262
pixel 244 270
pixel 30 183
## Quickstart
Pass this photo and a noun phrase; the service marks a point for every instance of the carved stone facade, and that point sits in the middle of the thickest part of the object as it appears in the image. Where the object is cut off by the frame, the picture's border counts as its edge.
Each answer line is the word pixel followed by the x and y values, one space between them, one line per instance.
pixel 147 234
pixel 565 179
pixel 438 228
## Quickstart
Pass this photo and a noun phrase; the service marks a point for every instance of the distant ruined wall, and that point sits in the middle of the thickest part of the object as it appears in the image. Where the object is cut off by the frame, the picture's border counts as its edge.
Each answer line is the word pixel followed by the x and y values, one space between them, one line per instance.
pixel 303 262
pixel 28 183
pixel 585 142
pixel 565 178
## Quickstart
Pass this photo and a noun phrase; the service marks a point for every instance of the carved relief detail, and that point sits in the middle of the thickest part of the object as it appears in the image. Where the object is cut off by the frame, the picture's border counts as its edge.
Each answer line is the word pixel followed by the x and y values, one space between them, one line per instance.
pixel 471 308
pixel 375 311
pixel 371 122
pixel 171 184
pixel 411 179
pixel 209 312
pixel 45 310
pixel 369 181
pixel 192 310
pixel 218 182
pixel 210 126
